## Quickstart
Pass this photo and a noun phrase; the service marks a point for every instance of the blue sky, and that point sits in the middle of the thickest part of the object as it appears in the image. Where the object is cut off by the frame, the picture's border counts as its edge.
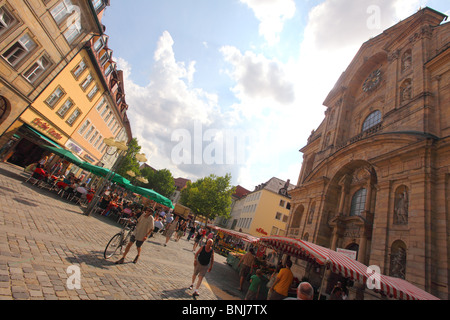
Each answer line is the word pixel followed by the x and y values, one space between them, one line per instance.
pixel 200 74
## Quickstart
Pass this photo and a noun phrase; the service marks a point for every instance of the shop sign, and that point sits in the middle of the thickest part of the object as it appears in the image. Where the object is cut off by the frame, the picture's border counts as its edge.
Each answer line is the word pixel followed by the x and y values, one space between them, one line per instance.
pixel 349 253
pixel 90 159
pixel 74 147
pixel 261 230
pixel 45 127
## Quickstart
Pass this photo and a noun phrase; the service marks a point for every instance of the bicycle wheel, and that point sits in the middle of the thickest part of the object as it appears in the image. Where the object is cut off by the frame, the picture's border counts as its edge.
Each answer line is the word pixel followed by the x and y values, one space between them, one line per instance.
pixel 113 246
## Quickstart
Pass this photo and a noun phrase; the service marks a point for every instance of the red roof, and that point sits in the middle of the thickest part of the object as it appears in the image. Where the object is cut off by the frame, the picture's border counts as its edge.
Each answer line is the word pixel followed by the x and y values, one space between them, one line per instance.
pixel 180 183
pixel 240 192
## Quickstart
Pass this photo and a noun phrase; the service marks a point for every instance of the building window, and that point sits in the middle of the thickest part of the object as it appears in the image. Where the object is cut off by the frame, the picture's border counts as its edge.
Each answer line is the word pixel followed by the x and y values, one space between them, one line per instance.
pixel 99 44
pixel 101 104
pixel 85 84
pixel 104 58
pixel 37 69
pixel 61 10
pixel 93 137
pixel 93 92
pixel 84 127
pixel 72 32
pixel 372 120
pixel 97 4
pixel 65 108
pixel 358 202
pixel 274 231
pixel 6 20
pixel 278 216
pixel 79 69
pixel 100 138
pixel 108 116
pixel 19 50
pixel 110 122
pixel 73 117
pixel 89 132
pixel 282 203
pixel 109 69
pixel 105 111
pixel 55 97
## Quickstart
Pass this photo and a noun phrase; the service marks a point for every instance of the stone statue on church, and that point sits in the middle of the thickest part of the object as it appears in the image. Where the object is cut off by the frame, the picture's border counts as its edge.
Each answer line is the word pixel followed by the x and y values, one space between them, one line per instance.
pixel 401 209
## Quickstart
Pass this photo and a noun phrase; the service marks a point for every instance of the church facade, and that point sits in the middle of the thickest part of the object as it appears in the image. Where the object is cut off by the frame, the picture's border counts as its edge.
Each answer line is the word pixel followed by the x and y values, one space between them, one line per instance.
pixel 375 177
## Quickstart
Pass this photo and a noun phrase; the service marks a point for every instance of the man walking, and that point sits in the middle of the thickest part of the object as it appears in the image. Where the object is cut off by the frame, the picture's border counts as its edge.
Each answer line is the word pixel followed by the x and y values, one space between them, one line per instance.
pixel 144 228
pixel 203 262
pixel 247 261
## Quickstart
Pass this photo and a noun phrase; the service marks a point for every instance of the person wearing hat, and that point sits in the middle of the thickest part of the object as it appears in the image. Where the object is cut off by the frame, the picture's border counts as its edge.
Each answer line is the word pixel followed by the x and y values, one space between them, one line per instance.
pixel 144 227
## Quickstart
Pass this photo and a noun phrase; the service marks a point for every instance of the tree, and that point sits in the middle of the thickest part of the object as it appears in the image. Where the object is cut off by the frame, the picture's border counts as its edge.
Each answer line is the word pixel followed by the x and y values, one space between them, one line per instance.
pixel 160 181
pixel 129 162
pixel 209 196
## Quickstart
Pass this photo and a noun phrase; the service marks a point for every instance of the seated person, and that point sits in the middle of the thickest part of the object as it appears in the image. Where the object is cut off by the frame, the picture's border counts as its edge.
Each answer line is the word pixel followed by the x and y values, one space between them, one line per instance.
pixel 105 201
pixel 82 189
pixel 39 172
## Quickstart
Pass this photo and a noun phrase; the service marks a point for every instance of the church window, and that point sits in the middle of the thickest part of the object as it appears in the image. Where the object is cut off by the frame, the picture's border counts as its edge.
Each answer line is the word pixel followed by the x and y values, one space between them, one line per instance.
pixel 358 202
pixel 372 120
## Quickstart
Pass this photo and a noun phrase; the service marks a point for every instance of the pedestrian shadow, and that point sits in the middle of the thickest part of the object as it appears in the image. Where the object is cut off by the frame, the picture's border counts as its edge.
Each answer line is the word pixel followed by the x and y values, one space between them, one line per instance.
pixel 154 242
pixel 94 259
pixel 25 202
pixel 175 294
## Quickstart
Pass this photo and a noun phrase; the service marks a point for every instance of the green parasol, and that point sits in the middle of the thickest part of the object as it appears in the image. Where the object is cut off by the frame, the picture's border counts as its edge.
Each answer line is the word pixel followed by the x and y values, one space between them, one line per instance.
pixel 65 154
pixel 152 195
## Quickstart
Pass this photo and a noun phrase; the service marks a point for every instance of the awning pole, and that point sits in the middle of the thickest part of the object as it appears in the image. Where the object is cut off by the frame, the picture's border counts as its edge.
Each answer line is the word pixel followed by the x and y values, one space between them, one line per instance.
pixel 323 278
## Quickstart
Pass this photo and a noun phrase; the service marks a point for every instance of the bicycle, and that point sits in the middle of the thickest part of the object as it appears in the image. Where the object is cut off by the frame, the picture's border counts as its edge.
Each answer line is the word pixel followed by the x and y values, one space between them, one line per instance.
pixel 120 240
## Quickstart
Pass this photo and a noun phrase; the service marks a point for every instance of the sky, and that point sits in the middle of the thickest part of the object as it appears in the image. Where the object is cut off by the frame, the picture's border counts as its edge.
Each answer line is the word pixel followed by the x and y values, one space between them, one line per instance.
pixel 237 86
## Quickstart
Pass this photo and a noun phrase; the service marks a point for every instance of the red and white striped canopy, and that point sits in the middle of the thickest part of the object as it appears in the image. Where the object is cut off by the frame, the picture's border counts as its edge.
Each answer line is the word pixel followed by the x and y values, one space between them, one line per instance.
pixel 347 267
pixel 241 235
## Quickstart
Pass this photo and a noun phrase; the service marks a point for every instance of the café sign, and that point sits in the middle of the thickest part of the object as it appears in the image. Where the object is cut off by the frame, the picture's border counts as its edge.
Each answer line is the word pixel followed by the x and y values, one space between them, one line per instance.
pixel 46 128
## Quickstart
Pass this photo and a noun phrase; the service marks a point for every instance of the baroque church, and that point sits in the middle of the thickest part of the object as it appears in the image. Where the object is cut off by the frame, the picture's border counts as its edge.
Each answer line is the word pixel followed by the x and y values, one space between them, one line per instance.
pixel 375 177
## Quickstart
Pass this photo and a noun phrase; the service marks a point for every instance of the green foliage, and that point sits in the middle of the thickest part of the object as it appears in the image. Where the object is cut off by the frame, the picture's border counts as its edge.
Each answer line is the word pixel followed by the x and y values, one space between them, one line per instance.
pixel 209 196
pixel 129 162
pixel 160 181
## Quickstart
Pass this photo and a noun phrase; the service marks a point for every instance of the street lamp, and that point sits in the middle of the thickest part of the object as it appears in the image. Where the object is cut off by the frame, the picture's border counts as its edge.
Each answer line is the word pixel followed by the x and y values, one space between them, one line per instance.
pixel 123 151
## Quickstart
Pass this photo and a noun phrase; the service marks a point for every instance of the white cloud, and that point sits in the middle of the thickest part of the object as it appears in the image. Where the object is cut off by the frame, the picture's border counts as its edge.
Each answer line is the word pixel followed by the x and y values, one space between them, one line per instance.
pixel 166 104
pixel 279 104
pixel 272 14
pixel 258 77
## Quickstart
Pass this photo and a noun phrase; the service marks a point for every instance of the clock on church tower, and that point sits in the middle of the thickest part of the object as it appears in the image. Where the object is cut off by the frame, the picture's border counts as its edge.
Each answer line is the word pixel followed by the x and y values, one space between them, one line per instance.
pixel 372 81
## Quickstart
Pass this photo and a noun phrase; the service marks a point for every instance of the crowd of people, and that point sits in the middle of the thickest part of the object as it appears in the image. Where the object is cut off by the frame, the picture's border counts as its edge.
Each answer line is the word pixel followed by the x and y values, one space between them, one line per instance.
pixel 53 176
pixel 151 221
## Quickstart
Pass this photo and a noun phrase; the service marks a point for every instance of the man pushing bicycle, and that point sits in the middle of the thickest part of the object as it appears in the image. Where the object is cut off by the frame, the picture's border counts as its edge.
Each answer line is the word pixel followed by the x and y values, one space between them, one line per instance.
pixel 144 227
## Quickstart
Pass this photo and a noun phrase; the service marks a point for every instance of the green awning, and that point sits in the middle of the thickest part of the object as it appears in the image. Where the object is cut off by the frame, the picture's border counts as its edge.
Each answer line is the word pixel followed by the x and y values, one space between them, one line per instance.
pixel 99 171
pixel 53 143
pixel 153 195
pixel 65 154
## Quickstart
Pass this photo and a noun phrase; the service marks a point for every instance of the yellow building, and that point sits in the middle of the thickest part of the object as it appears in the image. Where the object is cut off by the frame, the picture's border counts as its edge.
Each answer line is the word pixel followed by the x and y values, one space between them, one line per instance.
pixel 37 41
pixel 83 104
pixel 265 211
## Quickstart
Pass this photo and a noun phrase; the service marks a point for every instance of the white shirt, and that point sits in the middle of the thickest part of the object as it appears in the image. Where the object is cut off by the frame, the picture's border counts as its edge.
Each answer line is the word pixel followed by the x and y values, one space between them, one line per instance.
pixel 81 190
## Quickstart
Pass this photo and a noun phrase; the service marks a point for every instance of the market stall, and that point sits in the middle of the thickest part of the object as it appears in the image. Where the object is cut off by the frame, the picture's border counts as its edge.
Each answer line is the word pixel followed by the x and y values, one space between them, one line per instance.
pixel 349 268
pixel 234 242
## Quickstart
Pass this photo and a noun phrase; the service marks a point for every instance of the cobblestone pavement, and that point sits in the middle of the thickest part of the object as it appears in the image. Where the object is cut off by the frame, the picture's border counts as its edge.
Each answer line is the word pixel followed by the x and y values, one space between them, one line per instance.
pixel 42 235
